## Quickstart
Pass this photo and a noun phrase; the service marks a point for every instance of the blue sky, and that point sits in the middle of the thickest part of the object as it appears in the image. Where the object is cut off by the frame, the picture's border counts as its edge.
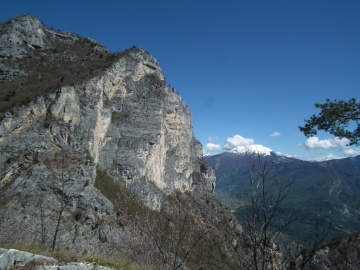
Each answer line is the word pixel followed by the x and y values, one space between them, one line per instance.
pixel 246 69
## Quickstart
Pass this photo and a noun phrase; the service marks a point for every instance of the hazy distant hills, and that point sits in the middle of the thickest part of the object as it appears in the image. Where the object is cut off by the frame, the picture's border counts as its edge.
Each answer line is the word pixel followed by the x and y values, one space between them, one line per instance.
pixel 329 188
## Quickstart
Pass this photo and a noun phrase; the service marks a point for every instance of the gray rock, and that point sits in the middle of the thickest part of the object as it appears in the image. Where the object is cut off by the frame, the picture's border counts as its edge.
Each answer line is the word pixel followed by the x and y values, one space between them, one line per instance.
pixel 13 257
pixel 10 74
pixel 2 251
pixel 25 32
pixel 71 266
pixel 21 35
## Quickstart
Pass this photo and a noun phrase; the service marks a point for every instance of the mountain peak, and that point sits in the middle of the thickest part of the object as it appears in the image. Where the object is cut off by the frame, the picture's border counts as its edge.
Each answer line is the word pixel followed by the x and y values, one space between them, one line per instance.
pixel 252 149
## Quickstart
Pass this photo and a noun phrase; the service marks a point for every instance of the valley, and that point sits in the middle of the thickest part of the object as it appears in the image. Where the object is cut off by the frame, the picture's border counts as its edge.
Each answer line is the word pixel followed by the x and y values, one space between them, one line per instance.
pixel 328 188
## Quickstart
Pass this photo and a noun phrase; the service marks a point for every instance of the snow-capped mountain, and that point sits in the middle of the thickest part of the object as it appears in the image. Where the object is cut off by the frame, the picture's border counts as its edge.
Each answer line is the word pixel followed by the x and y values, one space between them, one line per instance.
pixel 252 149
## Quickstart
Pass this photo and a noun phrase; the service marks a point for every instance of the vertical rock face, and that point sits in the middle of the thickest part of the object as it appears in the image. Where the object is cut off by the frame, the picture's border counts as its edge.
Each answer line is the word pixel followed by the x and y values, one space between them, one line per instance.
pixel 138 127
pixel 128 120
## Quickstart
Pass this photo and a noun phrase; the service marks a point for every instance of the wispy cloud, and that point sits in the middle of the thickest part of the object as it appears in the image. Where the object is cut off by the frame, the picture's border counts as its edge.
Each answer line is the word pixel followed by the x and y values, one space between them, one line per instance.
pixel 275 134
pixel 314 143
pixel 286 155
pixel 238 140
pixel 324 158
pixel 351 152
pixel 342 154
pixel 213 138
pixel 309 158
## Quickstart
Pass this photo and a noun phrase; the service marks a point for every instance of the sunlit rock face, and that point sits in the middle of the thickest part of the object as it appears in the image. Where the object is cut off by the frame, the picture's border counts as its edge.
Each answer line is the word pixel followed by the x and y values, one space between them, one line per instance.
pixel 140 128
pixel 25 33
pixel 127 121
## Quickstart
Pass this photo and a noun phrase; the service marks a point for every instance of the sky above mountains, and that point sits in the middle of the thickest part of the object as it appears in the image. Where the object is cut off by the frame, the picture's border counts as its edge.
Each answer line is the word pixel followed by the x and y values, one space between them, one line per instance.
pixel 250 71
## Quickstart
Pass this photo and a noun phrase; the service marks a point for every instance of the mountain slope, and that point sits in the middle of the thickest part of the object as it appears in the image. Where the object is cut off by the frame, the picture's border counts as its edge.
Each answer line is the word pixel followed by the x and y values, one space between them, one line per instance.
pixel 327 187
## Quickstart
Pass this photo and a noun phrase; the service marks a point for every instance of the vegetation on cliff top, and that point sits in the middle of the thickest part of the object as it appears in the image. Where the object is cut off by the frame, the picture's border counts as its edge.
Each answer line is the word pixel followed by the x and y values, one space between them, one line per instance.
pixel 59 65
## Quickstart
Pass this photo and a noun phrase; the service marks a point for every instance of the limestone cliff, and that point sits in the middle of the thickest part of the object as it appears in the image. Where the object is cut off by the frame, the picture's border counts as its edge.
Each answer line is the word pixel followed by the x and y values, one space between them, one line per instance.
pixel 127 122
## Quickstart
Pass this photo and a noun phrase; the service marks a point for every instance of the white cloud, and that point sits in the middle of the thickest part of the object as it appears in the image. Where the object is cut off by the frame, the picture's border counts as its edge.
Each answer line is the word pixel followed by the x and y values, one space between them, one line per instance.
pixel 286 155
pixel 324 158
pixel 346 153
pixel 275 134
pixel 319 158
pixel 336 143
pixel 212 148
pixel 213 138
pixel 351 152
pixel 237 140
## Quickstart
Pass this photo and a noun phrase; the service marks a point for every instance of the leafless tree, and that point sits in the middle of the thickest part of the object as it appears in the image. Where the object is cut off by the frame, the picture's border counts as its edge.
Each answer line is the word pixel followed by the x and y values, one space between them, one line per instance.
pixel 264 219
pixel 43 218
pixel 170 240
pixel 63 189
pixel 176 239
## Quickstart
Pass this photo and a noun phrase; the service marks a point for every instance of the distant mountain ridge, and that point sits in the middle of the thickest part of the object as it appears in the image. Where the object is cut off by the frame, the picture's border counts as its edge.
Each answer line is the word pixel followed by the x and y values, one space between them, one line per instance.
pixel 327 187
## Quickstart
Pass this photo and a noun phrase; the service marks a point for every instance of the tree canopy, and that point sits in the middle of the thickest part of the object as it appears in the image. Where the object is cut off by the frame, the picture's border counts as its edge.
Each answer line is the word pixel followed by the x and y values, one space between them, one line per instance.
pixel 335 117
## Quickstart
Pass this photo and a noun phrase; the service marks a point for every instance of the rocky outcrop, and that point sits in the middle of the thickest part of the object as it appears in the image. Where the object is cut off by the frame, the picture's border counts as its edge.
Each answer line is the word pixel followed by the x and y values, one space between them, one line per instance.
pixel 10 74
pixel 127 122
pixel 339 253
pixel 12 257
pixel 16 258
pixel 21 35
